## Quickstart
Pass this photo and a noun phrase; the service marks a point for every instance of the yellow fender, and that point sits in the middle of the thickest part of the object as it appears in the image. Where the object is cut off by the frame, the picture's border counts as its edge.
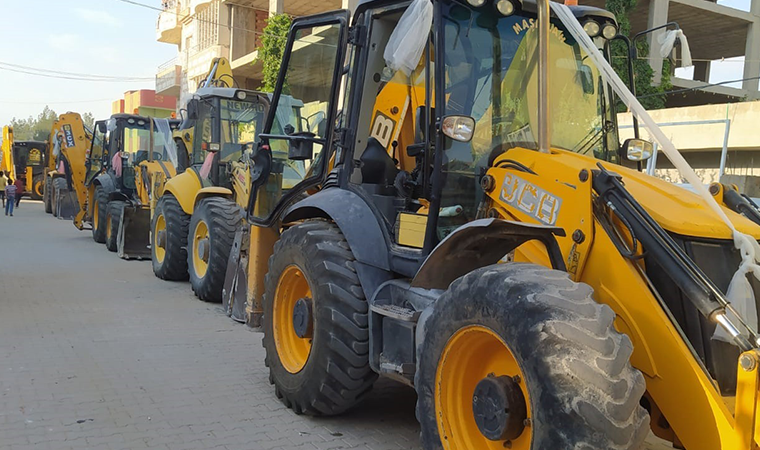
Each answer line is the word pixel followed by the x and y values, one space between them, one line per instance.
pixel 184 187
pixel 213 191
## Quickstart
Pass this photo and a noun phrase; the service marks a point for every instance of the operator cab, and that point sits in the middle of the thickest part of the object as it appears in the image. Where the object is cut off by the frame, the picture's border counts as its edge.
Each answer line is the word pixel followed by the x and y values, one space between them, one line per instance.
pixel 418 150
pixel 224 120
pixel 122 142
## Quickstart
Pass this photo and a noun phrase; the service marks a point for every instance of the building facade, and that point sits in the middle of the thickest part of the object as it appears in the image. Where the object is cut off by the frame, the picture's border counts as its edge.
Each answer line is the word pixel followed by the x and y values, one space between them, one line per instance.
pixel 206 29
pixel 715 32
pixel 145 102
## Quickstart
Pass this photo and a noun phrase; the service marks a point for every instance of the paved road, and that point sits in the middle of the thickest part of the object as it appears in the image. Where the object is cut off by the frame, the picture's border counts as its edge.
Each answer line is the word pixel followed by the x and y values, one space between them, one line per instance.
pixel 97 353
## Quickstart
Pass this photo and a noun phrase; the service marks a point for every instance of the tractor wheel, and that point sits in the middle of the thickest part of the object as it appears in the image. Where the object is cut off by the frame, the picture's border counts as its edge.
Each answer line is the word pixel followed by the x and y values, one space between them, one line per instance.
pixel 316 329
pixel 99 223
pixel 519 356
pixel 212 230
pixel 169 239
pixel 38 185
pixel 46 197
pixel 113 217
pixel 60 191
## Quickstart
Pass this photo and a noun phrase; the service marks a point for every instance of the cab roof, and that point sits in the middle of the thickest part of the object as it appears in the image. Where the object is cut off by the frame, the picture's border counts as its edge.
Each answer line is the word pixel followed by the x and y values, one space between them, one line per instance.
pixel 527 5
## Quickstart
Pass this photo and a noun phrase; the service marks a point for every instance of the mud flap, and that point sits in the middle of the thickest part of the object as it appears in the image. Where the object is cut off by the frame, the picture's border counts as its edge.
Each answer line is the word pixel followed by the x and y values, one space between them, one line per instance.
pixel 66 205
pixel 133 241
pixel 235 280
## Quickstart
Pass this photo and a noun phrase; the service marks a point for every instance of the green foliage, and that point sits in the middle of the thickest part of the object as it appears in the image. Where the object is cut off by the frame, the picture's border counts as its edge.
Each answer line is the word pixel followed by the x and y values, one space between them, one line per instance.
pixel 642 71
pixel 89 120
pixel 37 129
pixel 272 48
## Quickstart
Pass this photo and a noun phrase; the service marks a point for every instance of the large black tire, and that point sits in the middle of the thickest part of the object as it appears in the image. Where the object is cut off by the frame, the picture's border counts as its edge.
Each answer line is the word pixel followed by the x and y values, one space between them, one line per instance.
pixel 337 373
pixel 99 211
pixel 113 217
pixel 222 217
pixel 177 222
pixel 36 190
pixel 583 392
pixel 60 192
pixel 46 197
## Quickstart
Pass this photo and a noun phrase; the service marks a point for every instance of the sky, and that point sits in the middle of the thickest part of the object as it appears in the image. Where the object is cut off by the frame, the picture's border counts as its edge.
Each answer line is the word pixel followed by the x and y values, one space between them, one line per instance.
pixel 111 37
pixel 101 37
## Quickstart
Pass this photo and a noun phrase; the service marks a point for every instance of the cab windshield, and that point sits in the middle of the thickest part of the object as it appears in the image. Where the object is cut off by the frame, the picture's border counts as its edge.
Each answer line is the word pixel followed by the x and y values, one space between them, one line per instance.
pixel 240 122
pixel 491 74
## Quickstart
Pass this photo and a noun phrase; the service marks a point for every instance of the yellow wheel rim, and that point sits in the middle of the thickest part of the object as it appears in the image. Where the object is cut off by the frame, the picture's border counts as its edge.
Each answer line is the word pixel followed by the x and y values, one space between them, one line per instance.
pixel 292 350
pixel 200 237
pixel 472 354
pixel 108 226
pixel 160 251
pixel 38 188
pixel 95 216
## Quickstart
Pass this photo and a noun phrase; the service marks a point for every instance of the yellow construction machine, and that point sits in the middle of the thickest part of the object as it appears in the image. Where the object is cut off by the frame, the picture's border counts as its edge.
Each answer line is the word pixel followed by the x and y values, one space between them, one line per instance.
pixel 127 151
pixel 199 211
pixel 64 192
pixel 26 160
pixel 535 292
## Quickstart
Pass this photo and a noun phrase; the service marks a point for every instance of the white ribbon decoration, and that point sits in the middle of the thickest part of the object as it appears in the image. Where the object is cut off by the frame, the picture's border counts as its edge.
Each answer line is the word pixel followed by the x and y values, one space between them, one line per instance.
pixel 408 39
pixel 739 293
pixel 668 41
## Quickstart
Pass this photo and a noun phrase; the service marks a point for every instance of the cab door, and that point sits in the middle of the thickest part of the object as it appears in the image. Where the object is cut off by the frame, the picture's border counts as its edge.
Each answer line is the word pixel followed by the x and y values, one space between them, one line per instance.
pixel 95 154
pixel 296 143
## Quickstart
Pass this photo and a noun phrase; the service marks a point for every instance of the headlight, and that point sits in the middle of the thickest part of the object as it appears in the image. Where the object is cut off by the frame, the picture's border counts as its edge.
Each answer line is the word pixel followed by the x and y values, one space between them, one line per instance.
pixel 609 31
pixel 240 95
pixel 505 7
pixel 592 28
pixel 476 3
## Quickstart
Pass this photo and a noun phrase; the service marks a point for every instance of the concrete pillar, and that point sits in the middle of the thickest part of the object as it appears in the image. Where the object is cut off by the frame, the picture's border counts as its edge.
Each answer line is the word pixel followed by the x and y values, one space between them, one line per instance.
pixel 752 52
pixel 276 7
pixel 702 71
pixel 225 31
pixel 350 4
pixel 658 15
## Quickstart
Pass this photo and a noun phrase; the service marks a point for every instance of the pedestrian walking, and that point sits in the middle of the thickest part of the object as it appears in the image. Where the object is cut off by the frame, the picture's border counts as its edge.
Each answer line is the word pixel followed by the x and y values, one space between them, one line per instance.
pixel 10 194
pixel 3 183
pixel 19 183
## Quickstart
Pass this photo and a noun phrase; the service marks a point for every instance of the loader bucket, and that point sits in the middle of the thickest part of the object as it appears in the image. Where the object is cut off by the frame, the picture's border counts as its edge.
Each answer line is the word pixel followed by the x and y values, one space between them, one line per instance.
pixel 133 241
pixel 235 280
pixel 66 205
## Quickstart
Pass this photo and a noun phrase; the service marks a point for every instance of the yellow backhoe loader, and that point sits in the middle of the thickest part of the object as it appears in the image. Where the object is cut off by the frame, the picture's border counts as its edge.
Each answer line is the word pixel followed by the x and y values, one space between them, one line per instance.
pixel 199 211
pixel 537 293
pixel 64 192
pixel 126 151
pixel 26 160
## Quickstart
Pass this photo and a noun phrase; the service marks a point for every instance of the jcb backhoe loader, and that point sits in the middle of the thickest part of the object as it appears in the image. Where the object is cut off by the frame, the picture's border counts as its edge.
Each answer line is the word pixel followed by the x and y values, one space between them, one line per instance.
pixel 126 150
pixel 535 292
pixel 200 210
pixel 64 192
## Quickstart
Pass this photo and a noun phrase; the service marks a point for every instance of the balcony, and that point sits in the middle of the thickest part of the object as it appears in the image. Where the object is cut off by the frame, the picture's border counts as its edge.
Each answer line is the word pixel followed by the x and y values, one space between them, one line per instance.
pixel 169 27
pixel 169 78
pixel 196 5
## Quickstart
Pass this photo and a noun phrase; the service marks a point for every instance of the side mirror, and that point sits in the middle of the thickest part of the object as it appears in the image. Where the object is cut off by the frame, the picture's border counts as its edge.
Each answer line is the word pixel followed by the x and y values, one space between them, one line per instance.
pixel 301 146
pixel 261 162
pixel 638 149
pixel 458 128
pixel 192 110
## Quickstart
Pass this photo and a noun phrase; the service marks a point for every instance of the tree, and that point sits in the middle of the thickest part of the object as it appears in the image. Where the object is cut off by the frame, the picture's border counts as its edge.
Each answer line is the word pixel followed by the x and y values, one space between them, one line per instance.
pixel 272 48
pixel 89 120
pixel 643 73
pixel 34 129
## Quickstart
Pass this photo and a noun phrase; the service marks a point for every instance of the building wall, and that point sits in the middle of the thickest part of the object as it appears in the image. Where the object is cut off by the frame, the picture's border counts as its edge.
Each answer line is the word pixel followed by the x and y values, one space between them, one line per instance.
pixel 146 102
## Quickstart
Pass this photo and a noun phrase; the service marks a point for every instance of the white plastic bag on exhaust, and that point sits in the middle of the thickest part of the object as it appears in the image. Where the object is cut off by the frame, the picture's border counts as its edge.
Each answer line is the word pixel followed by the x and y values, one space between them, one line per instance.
pixel 408 40
pixel 739 294
pixel 668 41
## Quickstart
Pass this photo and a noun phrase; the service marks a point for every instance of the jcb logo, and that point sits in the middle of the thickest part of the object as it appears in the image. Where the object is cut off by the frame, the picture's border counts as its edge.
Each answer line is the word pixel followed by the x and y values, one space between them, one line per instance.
pixel 530 199
pixel 382 129
pixel 68 135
